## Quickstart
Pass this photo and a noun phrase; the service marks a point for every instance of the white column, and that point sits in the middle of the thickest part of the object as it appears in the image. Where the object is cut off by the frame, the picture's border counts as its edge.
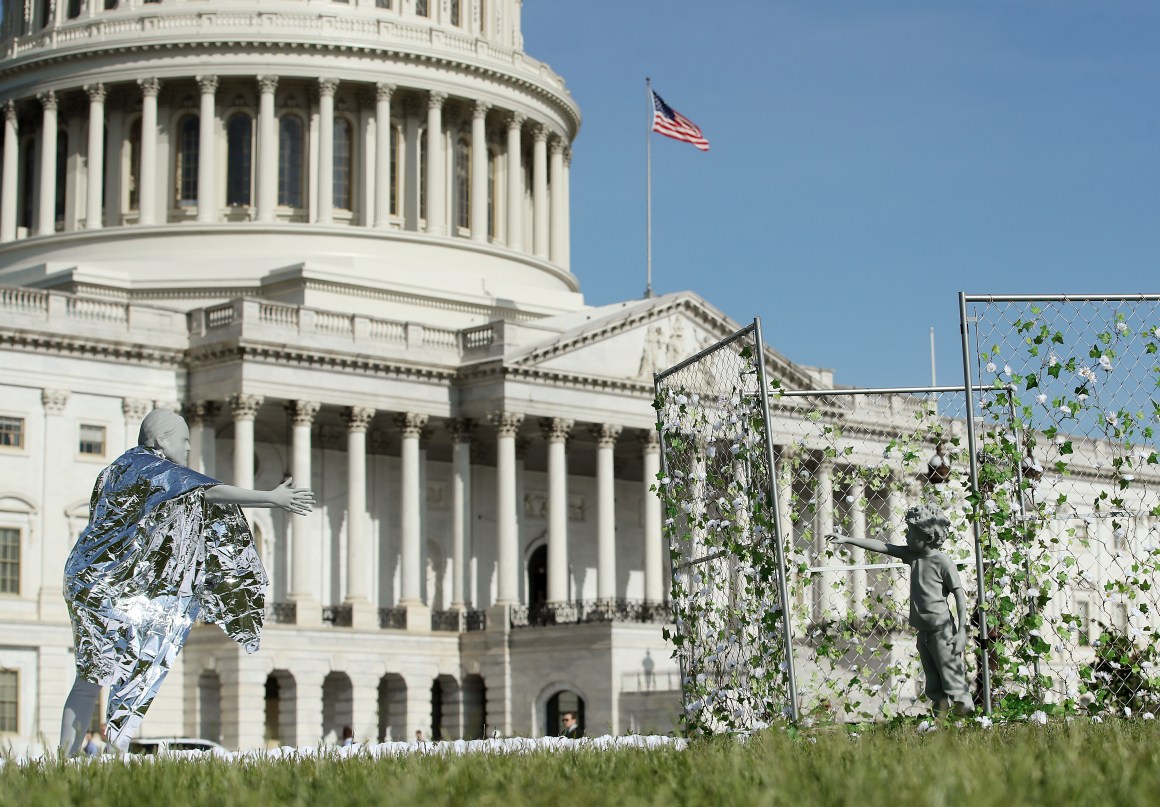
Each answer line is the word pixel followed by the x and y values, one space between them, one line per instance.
pixel 304 571
pixel 833 593
pixel 461 431
pixel 8 201
pixel 244 409
pixel 654 587
pixel 358 547
pixel 479 171
pixel 96 156
pixel 327 87
pixel 606 435
pixel 200 416
pixel 206 159
pixel 507 425
pixel 557 209
pixel 383 178
pixel 46 214
pixel 565 257
pixel 267 149
pixel 541 229
pixel 858 530
pixel 515 183
pixel 436 186
pixel 147 192
pixel 134 411
pixel 556 431
pixel 896 533
pixel 411 425
pixel 58 445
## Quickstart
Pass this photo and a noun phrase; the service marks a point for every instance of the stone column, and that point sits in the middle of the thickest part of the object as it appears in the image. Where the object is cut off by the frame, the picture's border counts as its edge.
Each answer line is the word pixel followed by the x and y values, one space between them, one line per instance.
pixel 308 706
pixel 540 232
pixel 199 415
pixel 358 547
pixel 96 156
pixel 383 178
pixel 479 230
pixel 8 200
pixel 654 549
pixel 558 211
pixel 507 425
pixel 267 150
pixel 515 183
pixel 461 430
pixel 556 432
pixel 896 532
pixel 206 151
pixel 606 435
pixel 858 530
pixel 59 449
pixel 436 185
pixel 304 572
pixel 244 409
pixel 327 87
pixel 243 693
pixel 410 502
pixel 147 191
pixel 46 213
pixel 565 256
pixel 134 411
pixel 833 595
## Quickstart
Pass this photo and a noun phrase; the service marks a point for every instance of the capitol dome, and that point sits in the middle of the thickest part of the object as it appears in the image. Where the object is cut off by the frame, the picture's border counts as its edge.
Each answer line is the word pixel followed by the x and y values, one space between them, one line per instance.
pixel 390 154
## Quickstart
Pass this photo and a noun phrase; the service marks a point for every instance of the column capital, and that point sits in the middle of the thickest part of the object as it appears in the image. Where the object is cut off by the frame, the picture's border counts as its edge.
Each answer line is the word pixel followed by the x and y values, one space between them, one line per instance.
pixel 384 91
pixel 650 441
pixel 540 133
pixel 135 408
pixel 515 120
pixel 606 434
pixel 302 412
pixel 506 424
pixel 96 92
pixel 10 111
pixel 327 87
pixel 557 146
pixel 358 418
pixel 207 84
pixel 198 412
pixel 411 424
pixel 435 99
pixel 48 100
pixel 480 109
pixel 267 84
pixel 54 400
pixel 460 429
pixel 567 156
pixel 149 86
pixel 556 430
pixel 245 407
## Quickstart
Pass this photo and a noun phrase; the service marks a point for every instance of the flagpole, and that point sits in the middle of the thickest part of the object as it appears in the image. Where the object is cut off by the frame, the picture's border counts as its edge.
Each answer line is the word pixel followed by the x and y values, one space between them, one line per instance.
pixel 648 292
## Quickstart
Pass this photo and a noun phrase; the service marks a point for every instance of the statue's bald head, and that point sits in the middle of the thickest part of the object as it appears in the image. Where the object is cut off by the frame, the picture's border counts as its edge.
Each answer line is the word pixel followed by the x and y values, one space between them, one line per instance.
pixel 167 431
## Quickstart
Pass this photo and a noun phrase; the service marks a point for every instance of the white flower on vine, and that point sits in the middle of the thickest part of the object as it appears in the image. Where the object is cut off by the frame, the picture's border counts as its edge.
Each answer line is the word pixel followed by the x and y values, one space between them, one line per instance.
pixel 681 400
pixel 1052 360
pixel 1032 593
pixel 1039 716
pixel 665 480
pixel 990 367
pixel 1112 419
pixel 1086 374
pixel 1041 399
pixel 696 399
pixel 1065 409
pixel 1156 332
pixel 1007 370
pixel 1081 396
pixel 1106 362
pixel 990 505
pixel 711 452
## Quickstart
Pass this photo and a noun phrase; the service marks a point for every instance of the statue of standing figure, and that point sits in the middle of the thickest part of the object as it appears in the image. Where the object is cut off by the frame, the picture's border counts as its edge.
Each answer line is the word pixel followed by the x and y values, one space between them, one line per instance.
pixel 933 578
pixel 163 546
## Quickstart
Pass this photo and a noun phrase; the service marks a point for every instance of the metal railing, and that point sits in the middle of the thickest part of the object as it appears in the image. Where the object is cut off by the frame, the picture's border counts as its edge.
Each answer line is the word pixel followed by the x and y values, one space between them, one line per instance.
pixel 393 618
pixel 587 612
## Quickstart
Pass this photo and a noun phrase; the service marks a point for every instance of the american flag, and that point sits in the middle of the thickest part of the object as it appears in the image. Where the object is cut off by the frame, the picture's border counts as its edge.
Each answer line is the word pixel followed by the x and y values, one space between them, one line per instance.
pixel 671 123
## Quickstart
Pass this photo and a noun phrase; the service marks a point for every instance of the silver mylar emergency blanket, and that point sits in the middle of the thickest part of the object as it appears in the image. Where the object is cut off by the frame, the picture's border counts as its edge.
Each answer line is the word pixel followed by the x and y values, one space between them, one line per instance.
pixel 155 556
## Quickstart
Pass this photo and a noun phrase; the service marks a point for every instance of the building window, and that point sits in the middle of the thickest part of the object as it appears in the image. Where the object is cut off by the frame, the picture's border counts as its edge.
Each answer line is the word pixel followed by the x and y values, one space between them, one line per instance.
pixel 61 175
pixel 492 180
pixel 383 4
pixel 455 16
pixel 9 560
pixel 92 440
pixel 396 137
pixel 135 165
pixel 463 184
pixel 421 9
pixel 188 147
pixel 1083 625
pixel 74 9
pixel 483 17
pixel 290 161
pixel 9 701
pixel 422 173
pixel 11 432
pixel 343 163
pixel 239 139
pixel 28 178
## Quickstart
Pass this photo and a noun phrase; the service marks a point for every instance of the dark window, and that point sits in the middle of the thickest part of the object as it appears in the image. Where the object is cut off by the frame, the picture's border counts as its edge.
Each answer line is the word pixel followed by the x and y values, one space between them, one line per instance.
pixel 92 440
pixel 239 139
pixel 61 175
pixel 421 8
pixel 290 161
pixel 11 432
pixel 135 165
pixel 9 560
pixel 9 701
pixel 394 170
pixel 455 17
pixel 28 177
pixel 188 149
pixel 462 184
pixel 343 162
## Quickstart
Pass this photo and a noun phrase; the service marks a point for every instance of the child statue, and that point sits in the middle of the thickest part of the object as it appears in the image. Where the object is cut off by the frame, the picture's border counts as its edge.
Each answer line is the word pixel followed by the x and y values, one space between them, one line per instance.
pixel 163 546
pixel 933 578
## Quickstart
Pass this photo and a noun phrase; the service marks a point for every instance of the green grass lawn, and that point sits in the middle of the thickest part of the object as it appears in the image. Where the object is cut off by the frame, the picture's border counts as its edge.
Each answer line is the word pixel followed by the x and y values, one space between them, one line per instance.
pixel 1115 763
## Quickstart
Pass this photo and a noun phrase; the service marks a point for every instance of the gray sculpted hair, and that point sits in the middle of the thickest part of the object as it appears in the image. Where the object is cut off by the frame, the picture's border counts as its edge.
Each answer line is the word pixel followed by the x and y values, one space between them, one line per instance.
pixel 931 521
pixel 158 424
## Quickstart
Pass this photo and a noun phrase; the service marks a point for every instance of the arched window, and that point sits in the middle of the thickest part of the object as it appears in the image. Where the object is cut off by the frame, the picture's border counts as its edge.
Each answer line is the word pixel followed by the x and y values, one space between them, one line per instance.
pixel 239 141
pixel 188 148
pixel 61 176
pixel 290 154
pixel 492 190
pixel 134 182
pixel 396 138
pixel 463 184
pixel 421 9
pixel 343 164
pixel 455 15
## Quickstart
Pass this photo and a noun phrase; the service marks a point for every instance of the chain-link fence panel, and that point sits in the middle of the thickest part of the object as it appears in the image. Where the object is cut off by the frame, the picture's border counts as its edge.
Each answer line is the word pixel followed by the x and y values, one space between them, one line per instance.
pixel 852 462
pixel 1066 409
pixel 720 523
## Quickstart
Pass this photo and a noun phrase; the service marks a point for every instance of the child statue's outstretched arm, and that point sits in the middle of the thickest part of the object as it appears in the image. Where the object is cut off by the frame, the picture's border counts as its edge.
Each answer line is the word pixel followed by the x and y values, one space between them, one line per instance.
pixel 299 501
pixel 866 543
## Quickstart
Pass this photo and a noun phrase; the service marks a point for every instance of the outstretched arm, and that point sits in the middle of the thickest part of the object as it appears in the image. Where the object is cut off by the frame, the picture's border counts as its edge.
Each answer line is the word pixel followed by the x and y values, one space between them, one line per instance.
pixel 866 543
pixel 299 501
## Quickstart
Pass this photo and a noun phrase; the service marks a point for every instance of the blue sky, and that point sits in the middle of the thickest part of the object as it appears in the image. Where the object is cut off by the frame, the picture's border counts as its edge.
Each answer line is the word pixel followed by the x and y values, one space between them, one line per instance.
pixel 869 160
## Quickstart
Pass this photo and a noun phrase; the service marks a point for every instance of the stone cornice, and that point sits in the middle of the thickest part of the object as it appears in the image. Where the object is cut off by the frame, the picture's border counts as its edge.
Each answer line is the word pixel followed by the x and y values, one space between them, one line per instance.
pixel 292 356
pixel 89 348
